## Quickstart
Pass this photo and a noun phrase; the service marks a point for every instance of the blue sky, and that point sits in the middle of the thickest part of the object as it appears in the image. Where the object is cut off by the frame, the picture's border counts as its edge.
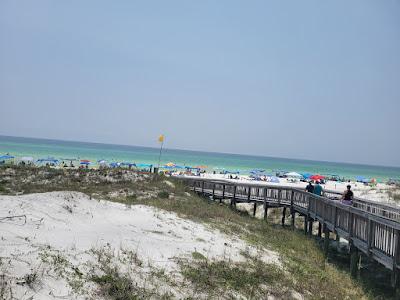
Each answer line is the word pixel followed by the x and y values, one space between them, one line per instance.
pixel 299 79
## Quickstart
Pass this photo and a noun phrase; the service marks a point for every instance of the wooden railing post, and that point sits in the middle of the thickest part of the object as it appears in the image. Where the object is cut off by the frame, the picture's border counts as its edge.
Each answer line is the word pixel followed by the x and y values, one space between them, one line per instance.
pixel 292 210
pixel 202 187
pixel 248 194
pixel 396 261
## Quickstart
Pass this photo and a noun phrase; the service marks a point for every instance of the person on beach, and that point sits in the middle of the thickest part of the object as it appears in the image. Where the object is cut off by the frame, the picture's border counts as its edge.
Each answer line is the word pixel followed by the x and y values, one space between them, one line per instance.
pixel 310 188
pixel 348 195
pixel 318 189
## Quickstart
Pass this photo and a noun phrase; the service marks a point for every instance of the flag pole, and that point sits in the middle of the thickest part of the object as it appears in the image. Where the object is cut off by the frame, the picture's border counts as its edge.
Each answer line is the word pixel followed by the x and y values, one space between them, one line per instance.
pixel 159 156
pixel 161 140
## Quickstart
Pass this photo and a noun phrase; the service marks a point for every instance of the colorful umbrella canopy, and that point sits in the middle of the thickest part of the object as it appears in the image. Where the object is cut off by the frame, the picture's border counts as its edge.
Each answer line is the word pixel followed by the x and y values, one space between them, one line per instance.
pixel 306 175
pixel 293 175
pixel 317 177
pixel 7 156
pixel 257 171
pixel 144 165
pixel 69 159
pixel 27 158
pixel 201 167
pixel 272 179
pixel 170 164
pixel 191 168
pixel 49 159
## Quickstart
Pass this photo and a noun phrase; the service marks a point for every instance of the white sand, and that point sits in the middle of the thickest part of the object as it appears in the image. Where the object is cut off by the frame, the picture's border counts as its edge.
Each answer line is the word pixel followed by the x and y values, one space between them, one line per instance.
pixel 72 223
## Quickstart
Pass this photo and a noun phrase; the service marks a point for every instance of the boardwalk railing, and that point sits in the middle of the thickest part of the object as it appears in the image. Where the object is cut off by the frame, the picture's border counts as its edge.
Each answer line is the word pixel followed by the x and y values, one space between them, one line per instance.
pixel 370 227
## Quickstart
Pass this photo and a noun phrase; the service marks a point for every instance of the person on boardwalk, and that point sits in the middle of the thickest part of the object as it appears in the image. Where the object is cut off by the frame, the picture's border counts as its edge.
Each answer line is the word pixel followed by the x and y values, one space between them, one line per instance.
pixel 348 195
pixel 317 189
pixel 310 187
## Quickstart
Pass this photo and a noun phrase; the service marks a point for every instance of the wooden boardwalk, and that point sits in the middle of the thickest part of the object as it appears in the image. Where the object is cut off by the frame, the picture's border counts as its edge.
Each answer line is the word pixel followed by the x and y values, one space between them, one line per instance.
pixel 369 227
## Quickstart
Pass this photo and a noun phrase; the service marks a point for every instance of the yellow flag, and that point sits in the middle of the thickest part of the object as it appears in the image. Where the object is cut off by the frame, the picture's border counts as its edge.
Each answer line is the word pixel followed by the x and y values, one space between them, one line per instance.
pixel 161 138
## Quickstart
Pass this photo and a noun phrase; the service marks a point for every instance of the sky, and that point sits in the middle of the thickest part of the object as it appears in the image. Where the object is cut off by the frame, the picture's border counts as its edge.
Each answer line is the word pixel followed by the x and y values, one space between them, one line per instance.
pixel 304 79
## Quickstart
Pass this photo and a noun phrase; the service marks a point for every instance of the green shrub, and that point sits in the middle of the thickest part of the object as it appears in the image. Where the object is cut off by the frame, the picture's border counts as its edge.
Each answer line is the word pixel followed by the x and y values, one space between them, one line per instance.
pixel 130 199
pixel 163 194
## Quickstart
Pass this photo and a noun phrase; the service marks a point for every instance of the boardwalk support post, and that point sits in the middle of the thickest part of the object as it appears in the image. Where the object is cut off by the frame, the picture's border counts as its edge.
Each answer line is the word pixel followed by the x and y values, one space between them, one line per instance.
pixel 293 219
pixel 254 209
pixel 326 240
pixel 319 229
pixel 283 216
pixel 234 195
pixel 305 224
pixel 310 226
pixel 354 256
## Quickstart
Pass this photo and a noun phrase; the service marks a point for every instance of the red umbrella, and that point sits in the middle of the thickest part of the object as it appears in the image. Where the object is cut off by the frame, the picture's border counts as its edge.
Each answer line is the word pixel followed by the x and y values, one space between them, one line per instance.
pixel 85 160
pixel 317 177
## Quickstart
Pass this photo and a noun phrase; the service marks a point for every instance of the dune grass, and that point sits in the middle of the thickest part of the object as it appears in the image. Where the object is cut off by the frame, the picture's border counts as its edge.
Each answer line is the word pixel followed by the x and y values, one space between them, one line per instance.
pixel 306 269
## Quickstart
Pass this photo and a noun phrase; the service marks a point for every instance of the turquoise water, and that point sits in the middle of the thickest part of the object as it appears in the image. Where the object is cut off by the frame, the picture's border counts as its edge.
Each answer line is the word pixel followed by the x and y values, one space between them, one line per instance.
pixel 39 148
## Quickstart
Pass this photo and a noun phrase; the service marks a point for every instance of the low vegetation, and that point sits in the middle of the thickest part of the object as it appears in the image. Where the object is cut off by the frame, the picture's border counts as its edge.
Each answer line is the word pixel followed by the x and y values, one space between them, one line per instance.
pixel 305 269
pixel 252 278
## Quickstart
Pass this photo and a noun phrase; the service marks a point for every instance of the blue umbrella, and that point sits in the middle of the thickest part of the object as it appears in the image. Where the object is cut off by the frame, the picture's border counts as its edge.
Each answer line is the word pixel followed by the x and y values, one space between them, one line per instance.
pixel 144 165
pixel 306 175
pixel 232 172
pixel 47 160
pixel 191 168
pixel 256 171
pixel 272 179
pixel 127 164
pixel 361 178
pixel 7 156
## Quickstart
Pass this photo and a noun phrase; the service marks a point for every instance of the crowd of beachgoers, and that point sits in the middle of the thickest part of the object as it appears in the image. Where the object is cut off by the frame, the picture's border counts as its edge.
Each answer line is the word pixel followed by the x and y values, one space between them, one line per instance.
pixel 361 186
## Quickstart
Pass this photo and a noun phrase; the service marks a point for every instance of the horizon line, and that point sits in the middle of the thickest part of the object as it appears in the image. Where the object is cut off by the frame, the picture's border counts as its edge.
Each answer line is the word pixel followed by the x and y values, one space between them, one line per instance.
pixel 211 152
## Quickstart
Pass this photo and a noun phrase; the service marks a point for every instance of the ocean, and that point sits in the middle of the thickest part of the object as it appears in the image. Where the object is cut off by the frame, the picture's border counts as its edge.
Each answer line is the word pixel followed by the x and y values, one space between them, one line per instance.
pixel 43 148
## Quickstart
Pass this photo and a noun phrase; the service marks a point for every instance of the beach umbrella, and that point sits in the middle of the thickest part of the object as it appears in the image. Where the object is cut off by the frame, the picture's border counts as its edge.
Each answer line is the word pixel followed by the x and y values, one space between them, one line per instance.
pixel 361 178
pixel 232 172
pixel 306 175
pixel 85 161
pixel 257 171
pixel 201 167
pixel 27 159
pixel 69 159
pixel 170 164
pixel 102 161
pixel 273 179
pixel 7 156
pixel 317 177
pixel 191 168
pixel 47 160
pixel 293 175
pixel 144 165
